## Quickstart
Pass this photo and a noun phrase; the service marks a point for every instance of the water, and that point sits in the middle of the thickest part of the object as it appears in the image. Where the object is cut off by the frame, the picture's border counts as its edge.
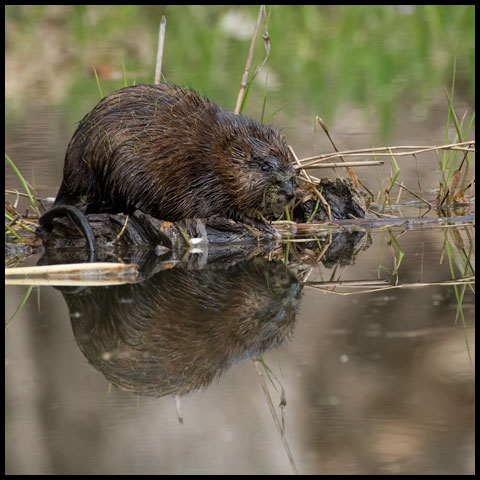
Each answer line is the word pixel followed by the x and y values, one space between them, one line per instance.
pixel 374 383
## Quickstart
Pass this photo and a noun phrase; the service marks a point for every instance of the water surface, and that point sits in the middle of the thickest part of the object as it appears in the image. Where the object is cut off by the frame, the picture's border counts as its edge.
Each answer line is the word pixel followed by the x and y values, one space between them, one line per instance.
pixel 376 382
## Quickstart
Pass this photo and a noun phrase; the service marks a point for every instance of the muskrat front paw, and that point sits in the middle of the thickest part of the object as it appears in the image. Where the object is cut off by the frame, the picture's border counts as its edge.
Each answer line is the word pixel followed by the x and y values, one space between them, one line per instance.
pixel 261 225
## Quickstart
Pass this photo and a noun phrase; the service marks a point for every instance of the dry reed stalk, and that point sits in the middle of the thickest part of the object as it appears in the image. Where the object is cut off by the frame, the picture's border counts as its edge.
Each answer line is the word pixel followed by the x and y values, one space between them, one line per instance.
pixel 17 193
pixel 365 163
pixel 161 42
pixel 243 84
pixel 348 283
pixel 123 228
pixel 384 151
pixel 350 171
pixel 314 181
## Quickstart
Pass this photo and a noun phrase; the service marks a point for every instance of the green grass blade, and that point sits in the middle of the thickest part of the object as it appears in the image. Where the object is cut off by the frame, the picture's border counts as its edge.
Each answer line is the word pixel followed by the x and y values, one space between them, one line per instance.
pixel 10 229
pixel 311 217
pixel 125 84
pixel 394 179
pixel 264 101
pixel 446 153
pixel 273 114
pixel 25 185
pixel 98 83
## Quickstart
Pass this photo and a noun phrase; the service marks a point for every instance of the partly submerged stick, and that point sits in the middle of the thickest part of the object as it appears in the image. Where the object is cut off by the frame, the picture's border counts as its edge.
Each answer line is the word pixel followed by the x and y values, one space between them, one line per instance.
pixel 75 274
pixel 76 268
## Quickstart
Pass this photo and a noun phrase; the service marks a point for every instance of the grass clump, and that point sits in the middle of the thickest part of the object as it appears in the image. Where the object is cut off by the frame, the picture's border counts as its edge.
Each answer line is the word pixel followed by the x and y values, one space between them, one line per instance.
pixel 455 166
pixel 20 229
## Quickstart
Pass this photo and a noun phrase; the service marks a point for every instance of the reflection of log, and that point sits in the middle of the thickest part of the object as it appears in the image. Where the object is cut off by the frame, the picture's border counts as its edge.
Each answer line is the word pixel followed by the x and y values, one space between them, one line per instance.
pixel 182 328
pixel 344 248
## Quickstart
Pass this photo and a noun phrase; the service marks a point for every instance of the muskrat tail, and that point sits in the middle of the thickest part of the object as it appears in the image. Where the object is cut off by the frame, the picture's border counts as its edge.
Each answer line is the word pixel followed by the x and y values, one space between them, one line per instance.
pixel 78 218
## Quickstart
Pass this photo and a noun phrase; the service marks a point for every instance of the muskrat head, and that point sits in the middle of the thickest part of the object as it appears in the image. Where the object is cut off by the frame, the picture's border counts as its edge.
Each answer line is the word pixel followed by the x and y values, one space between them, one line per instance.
pixel 265 182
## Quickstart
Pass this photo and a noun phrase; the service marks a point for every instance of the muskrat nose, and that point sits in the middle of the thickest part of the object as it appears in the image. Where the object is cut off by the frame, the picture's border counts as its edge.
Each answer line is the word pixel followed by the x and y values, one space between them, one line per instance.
pixel 287 186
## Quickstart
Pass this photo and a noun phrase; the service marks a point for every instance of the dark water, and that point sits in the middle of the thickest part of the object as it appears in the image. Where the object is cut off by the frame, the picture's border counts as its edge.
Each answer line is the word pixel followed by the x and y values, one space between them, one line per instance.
pixel 374 383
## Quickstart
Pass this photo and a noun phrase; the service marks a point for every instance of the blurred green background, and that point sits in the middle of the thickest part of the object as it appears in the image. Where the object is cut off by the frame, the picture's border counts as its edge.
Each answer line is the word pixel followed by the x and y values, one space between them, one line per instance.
pixel 321 56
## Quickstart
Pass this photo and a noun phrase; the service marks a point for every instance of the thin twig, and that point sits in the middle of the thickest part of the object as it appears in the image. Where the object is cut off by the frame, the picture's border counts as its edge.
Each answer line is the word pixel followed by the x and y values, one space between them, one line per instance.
pixel 350 171
pixel 383 151
pixel 348 283
pixel 314 181
pixel 16 192
pixel 430 206
pixel 365 163
pixel 123 228
pixel 299 166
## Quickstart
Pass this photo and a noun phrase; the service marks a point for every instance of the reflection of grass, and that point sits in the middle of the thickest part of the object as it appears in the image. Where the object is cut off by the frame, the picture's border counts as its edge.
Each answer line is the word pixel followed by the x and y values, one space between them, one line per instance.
pixel 459 257
pixel 459 248
pixel 279 422
pixel 395 249
pixel 20 305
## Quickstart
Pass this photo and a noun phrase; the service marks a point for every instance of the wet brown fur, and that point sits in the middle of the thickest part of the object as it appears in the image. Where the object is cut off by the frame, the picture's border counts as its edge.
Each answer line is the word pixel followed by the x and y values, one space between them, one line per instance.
pixel 174 154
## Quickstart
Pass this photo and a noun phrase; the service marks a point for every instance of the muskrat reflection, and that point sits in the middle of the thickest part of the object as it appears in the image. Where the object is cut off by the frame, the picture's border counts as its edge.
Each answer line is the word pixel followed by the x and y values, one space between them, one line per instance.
pixel 180 329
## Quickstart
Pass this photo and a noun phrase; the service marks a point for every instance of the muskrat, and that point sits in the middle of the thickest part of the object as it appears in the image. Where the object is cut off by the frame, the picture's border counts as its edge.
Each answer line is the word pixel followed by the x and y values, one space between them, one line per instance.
pixel 173 154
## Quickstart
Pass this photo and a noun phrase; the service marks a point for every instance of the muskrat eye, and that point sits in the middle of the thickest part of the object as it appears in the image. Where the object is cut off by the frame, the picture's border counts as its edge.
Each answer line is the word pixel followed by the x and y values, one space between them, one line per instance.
pixel 268 164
